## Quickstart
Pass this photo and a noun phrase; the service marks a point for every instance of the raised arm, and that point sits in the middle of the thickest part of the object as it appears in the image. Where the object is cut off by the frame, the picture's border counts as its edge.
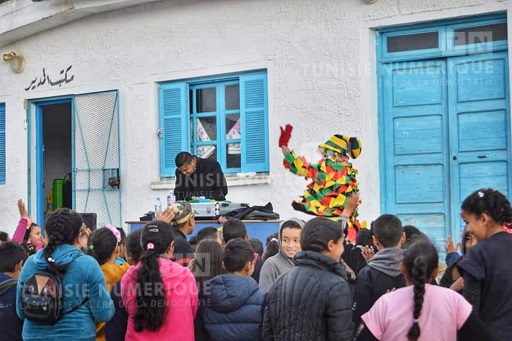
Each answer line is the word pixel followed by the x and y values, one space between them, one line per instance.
pixel 23 224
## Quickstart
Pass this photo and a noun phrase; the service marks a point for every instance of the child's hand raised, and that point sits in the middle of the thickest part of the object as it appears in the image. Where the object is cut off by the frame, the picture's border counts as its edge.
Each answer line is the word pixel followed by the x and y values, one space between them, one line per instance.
pixel 166 215
pixel 22 209
pixel 449 247
pixel 368 252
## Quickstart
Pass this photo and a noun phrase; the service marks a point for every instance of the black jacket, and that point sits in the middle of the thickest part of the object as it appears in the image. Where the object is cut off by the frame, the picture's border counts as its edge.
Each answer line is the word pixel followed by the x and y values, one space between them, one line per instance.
pixel 115 329
pixel 183 252
pixel 372 283
pixel 207 181
pixel 310 302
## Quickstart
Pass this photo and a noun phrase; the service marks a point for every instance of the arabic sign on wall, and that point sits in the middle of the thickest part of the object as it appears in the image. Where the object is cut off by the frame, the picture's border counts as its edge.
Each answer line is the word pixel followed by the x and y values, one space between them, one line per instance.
pixel 46 79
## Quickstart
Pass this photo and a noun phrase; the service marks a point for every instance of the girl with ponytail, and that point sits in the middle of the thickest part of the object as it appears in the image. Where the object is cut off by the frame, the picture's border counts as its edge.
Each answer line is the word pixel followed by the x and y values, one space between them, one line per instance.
pixel 486 266
pixel 159 294
pixel 421 311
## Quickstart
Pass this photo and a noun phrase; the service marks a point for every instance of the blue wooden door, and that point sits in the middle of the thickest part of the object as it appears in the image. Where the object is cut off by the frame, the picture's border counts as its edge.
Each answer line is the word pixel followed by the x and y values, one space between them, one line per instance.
pixel 478 102
pixel 446 133
pixel 416 173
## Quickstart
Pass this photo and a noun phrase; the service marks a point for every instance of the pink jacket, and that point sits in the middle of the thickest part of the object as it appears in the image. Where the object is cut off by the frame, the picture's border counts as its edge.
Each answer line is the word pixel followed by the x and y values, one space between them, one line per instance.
pixel 181 294
pixel 20 233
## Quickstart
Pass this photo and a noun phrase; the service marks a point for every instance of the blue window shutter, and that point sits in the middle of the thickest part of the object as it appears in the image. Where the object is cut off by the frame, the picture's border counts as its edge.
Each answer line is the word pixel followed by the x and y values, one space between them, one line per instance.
pixel 254 115
pixel 2 143
pixel 173 124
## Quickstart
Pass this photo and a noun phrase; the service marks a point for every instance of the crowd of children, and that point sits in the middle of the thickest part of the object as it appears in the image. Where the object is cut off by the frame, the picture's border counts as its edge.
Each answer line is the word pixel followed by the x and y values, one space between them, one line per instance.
pixel 308 283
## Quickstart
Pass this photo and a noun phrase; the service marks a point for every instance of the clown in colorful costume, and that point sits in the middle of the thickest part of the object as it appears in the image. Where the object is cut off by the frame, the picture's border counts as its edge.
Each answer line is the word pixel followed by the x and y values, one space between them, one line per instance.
pixel 333 179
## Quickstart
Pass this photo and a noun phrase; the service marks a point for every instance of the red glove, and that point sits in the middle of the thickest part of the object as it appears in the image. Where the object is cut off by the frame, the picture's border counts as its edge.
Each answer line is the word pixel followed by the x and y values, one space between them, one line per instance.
pixel 286 134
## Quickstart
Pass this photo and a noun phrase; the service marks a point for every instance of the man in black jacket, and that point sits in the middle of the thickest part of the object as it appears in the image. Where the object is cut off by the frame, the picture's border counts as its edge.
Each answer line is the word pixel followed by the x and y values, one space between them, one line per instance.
pixel 196 177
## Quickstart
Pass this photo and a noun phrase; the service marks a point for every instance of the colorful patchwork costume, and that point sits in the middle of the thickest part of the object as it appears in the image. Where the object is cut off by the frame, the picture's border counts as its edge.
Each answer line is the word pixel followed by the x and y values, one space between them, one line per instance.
pixel 333 179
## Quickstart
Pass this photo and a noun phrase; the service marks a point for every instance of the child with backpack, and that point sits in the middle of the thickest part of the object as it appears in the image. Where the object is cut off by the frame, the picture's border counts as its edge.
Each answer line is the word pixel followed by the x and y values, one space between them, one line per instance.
pixel 12 257
pixel 159 294
pixel 61 292
pixel 421 311
pixel 103 245
pixel 486 266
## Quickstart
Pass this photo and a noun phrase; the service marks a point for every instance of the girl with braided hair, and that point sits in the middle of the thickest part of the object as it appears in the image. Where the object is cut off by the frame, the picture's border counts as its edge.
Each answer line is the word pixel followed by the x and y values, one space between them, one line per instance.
pixel 82 281
pixel 486 266
pixel 159 294
pixel 421 311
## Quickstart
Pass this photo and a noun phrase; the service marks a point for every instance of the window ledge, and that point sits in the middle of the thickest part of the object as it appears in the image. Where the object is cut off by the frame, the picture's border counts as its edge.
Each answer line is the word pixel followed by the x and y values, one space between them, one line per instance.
pixel 241 179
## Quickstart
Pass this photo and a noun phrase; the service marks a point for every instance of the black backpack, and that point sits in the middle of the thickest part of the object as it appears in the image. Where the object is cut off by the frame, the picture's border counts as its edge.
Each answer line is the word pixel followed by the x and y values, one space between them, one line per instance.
pixel 42 297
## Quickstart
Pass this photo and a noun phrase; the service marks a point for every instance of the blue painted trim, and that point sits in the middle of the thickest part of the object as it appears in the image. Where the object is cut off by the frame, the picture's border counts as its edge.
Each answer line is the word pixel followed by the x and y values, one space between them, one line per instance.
pixel 445 30
pixel 380 131
pixel 215 78
pixel 497 16
pixel 39 169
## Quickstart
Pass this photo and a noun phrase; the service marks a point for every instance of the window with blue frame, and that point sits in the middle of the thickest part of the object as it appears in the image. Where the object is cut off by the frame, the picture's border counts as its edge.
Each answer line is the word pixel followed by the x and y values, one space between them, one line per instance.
pixel 222 118
pixel 2 143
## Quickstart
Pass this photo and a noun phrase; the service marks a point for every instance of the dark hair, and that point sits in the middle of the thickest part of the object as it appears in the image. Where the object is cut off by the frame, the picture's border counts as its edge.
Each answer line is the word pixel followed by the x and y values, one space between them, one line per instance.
pixel 491 202
pixel 193 240
pixel 420 260
pixel 412 234
pixel 208 232
pixel 207 262
pixel 465 236
pixel 123 236
pixel 28 231
pixel 289 224
pixel 237 253
pixel 317 233
pixel 233 228
pixel 364 237
pixel 387 229
pixel 133 247
pixel 183 158
pixel 62 227
pixel 30 248
pixel 11 253
pixel 272 246
pixel 257 245
pixel 4 236
pixel 151 304
pixel 101 244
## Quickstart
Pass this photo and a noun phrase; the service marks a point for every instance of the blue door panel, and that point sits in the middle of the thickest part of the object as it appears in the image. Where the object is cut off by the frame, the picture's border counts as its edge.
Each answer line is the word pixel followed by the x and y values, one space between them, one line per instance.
pixel 482 131
pixel 415 141
pixel 480 127
pixel 479 79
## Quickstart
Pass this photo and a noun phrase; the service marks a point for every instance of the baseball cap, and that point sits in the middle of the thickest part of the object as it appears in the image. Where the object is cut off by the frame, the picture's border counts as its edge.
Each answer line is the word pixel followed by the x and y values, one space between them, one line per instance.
pixel 183 211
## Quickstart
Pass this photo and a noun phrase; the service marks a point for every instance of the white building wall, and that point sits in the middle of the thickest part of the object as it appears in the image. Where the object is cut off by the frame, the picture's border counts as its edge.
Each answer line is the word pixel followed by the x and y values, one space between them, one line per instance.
pixel 320 56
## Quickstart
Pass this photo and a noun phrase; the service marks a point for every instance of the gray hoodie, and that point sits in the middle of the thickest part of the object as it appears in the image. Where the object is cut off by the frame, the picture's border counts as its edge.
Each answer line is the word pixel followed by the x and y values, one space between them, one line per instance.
pixel 277 264
pixel 388 261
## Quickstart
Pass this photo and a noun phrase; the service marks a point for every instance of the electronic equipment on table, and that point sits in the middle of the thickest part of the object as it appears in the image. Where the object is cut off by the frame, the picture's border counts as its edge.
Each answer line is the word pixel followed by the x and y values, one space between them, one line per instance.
pixel 213 209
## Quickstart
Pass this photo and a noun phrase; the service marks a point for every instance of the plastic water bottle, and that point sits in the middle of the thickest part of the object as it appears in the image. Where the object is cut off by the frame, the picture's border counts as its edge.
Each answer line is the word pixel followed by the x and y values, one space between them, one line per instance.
pixel 158 205
pixel 171 198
